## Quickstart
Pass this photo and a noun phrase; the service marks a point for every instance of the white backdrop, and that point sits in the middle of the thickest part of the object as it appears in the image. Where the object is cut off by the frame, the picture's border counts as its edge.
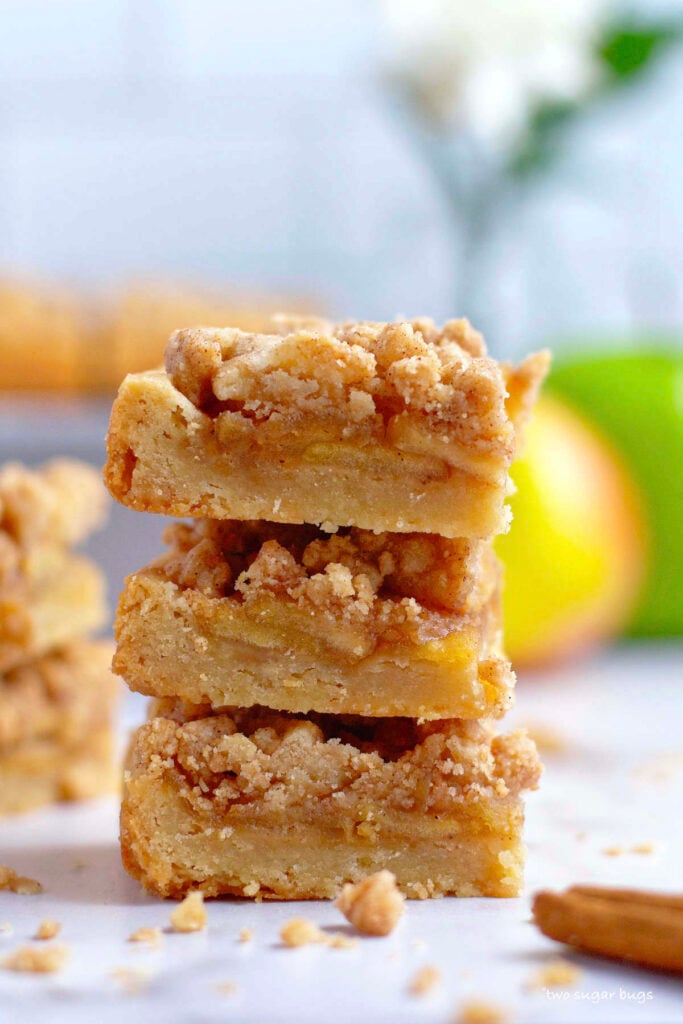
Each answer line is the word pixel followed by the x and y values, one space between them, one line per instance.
pixel 253 144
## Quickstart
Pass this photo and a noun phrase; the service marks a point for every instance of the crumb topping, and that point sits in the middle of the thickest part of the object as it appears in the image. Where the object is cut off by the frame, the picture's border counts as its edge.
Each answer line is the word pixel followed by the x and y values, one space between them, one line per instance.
pixel 360 375
pixel 353 574
pixel 190 915
pixel 48 929
pixel 10 881
pixel 374 905
pixel 239 756
pixel 425 980
pixel 37 959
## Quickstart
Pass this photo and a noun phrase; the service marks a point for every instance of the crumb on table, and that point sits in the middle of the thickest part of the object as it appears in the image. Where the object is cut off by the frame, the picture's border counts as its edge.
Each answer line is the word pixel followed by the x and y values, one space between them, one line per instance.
pixel 151 936
pixel 131 979
pixel 246 935
pixel 48 929
pixel 477 1011
pixel 10 881
pixel 639 848
pixel 425 980
pixel 548 739
pixel 555 974
pixel 190 915
pixel 37 959
pixel 339 941
pixel 227 988
pixel 374 905
pixel 299 931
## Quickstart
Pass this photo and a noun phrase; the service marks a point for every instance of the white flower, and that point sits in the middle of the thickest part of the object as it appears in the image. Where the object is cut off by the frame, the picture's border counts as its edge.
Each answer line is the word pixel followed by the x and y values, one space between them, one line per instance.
pixel 482 64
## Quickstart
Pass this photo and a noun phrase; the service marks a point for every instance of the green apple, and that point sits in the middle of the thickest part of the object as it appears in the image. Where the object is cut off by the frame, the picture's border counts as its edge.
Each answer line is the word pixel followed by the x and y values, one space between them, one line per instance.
pixel 635 398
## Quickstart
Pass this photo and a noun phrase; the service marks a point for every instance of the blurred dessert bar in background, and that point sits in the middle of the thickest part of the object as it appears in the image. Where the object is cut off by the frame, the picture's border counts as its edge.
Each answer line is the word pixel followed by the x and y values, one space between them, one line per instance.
pixel 54 338
pixel 56 737
pixel 48 595
pixel 57 693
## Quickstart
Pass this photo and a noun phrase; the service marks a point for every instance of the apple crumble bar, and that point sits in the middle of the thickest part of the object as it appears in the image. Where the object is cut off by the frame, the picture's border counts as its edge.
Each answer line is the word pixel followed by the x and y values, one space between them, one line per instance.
pixel 57 505
pixel 65 605
pixel 259 803
pixel 240 613
pixel 56 739
pixel 48 596
pixel 399 427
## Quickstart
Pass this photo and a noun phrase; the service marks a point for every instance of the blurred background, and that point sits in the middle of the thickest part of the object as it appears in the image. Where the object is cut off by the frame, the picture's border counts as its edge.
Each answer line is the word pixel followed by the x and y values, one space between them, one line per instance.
pixel 515 162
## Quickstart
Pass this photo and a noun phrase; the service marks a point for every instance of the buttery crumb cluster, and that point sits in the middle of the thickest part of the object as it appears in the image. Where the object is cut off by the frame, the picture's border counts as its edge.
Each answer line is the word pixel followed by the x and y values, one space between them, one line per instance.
pixel 280 760
pixel 363 375
pixel 352 572
pixel 322 641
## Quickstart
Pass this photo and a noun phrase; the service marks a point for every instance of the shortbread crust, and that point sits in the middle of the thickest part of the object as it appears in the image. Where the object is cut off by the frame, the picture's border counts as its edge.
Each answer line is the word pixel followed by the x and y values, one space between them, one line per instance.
pixel 288 617
pixel 257 803
pixel 399 427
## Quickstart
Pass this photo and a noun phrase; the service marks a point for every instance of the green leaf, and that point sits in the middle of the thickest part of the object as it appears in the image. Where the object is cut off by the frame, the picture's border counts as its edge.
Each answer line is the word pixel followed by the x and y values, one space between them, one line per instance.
pixel 545 128
pixel 628 49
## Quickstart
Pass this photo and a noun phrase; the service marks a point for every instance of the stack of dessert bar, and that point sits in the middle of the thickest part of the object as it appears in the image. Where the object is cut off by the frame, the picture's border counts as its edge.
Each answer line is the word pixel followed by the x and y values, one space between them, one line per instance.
pixel 323 639
pixel 56 689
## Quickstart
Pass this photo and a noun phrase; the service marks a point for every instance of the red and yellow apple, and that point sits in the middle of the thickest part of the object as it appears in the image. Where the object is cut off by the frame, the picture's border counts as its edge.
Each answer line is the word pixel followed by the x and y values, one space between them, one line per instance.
pixel 575 556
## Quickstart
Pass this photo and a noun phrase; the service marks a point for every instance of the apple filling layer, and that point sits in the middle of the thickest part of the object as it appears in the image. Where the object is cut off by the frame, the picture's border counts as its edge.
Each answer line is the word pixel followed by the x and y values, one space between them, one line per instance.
pixel 294 619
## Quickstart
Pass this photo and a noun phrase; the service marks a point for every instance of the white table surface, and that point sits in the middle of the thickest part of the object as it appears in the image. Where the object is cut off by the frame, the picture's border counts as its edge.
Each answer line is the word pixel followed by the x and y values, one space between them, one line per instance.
pixel 619 782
